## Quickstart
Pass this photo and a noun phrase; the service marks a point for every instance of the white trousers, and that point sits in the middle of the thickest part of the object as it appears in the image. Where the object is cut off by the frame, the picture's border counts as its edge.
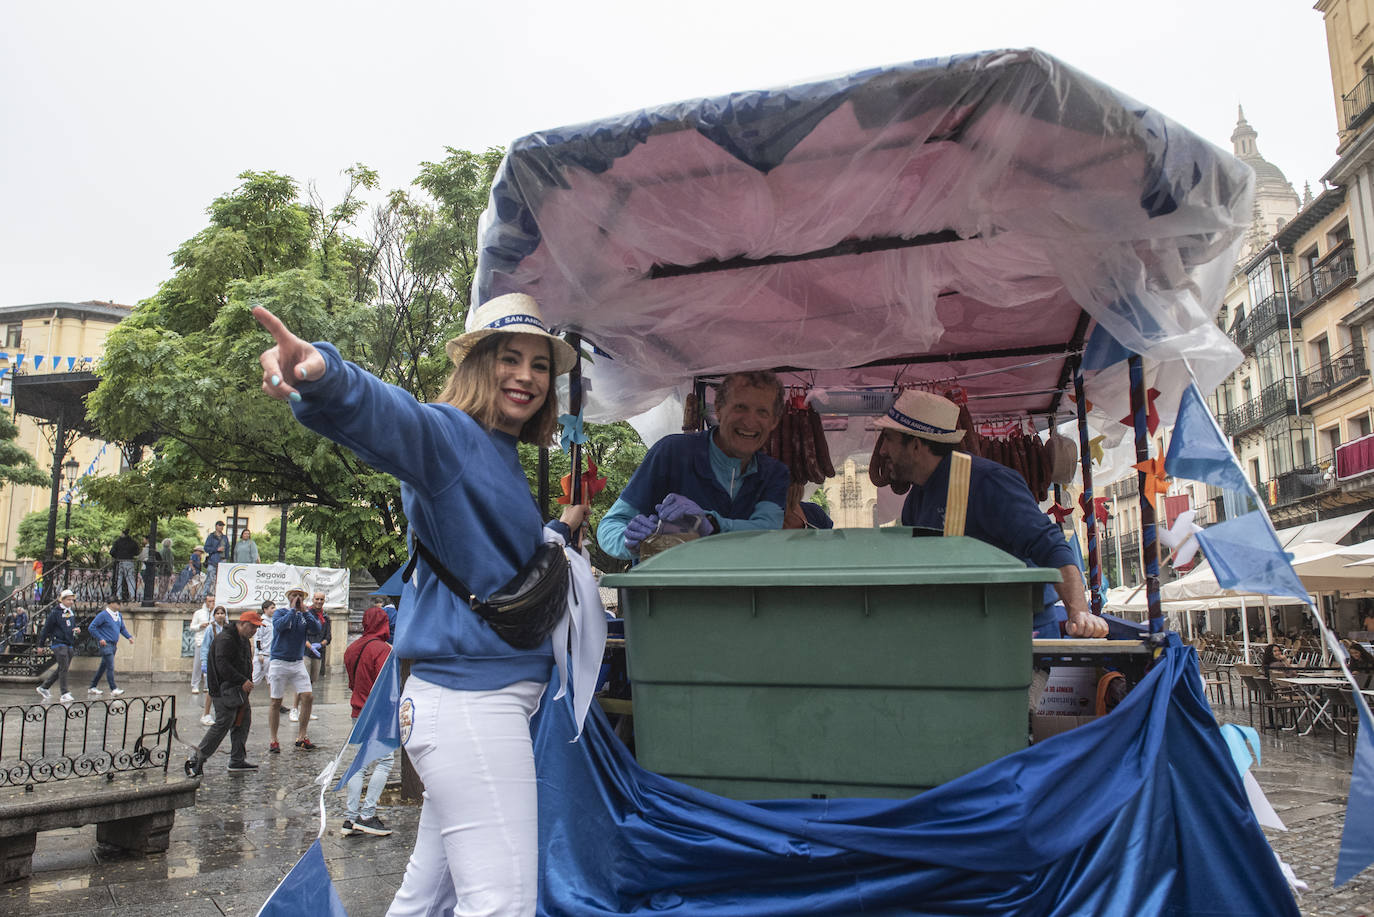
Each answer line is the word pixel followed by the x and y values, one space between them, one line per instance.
pixel 476 851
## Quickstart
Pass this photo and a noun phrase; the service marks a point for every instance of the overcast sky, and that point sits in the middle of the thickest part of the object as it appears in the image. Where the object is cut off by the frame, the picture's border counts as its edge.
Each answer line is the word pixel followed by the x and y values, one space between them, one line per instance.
pixel 123 121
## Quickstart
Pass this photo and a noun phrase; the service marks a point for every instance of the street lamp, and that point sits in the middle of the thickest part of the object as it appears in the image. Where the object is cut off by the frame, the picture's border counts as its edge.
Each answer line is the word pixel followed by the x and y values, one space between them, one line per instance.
pixel 71 471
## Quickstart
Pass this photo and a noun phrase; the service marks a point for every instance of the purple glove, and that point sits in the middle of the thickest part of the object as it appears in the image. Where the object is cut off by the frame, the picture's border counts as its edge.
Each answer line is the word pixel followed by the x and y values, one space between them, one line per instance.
pixel 637 529
pixel 675 506
pixel 314 650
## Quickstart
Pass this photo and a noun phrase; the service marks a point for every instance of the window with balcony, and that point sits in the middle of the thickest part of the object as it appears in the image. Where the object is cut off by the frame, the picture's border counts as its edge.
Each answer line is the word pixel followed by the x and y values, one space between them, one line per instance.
pixel 1358 103
pixel 1308 260
pixel 1330 440
pixel 1358 425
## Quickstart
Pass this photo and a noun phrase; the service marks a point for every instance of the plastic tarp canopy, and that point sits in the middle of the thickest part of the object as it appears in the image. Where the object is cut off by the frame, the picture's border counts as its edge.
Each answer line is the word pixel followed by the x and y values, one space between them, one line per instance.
pixel 1142 812
pixel 973 217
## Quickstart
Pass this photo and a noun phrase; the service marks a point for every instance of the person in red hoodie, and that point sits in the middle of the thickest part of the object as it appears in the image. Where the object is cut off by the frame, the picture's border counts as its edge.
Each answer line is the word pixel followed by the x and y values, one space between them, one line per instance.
pixel 362 661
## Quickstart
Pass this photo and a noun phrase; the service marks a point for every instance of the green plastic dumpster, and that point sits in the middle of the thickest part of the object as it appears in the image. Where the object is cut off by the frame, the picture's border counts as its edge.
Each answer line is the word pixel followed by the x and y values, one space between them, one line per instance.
pixel 847 662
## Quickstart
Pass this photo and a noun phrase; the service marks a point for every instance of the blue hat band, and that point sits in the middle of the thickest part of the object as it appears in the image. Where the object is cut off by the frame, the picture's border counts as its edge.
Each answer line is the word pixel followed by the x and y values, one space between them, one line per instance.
pixel 917 426
pixel 517 319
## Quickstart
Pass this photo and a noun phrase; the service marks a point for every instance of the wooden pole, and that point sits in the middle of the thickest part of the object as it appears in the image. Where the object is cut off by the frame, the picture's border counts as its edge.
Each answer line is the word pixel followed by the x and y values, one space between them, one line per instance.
pixel 1090 514
pixel 1149 544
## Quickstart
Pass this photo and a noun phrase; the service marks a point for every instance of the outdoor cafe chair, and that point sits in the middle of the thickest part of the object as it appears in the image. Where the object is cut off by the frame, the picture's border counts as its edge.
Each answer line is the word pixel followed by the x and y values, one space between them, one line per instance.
pixel 1279 710
pixel 1344 718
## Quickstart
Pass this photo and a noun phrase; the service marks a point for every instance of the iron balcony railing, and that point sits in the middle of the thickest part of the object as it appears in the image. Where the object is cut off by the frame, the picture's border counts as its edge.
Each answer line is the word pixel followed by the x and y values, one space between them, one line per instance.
pixel 44 743
pixel 1359 102
pixel 1337 269
pixel 1291 486
pixel 1274 400
pixel 1262 321
pixel 1328 377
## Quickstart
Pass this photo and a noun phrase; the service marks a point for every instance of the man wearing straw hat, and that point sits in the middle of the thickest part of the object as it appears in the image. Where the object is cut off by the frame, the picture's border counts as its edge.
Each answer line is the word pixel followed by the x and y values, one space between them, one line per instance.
pixel 961 494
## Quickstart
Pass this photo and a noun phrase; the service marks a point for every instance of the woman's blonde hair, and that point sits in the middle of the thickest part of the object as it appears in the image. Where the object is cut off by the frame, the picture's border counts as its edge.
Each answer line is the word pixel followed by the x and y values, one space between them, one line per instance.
pixel 471 388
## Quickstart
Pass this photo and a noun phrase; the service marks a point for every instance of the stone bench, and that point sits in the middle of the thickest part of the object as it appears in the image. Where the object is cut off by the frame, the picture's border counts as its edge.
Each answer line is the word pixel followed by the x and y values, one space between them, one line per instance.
pixel 133 811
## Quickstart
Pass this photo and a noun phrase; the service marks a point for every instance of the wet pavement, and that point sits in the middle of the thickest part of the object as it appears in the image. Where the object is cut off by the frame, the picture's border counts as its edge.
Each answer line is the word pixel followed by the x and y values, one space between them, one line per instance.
pixel 246 832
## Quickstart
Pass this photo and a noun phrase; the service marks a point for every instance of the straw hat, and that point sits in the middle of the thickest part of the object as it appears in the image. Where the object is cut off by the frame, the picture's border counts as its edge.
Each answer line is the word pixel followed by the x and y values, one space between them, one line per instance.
pixel 515 313
pixel 923 414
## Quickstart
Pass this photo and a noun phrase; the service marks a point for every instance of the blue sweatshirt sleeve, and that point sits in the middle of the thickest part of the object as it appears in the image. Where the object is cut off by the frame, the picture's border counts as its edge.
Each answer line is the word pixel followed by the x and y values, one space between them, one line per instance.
pixel 124 630
pixel 349 406
pixel 610 532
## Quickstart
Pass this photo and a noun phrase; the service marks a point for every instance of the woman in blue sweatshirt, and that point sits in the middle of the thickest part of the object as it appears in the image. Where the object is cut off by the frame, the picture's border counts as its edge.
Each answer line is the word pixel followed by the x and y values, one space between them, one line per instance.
pixel 466 706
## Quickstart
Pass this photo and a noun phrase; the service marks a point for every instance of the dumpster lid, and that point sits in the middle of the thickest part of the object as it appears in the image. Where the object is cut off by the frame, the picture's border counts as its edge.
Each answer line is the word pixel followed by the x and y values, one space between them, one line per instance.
pixel 832 557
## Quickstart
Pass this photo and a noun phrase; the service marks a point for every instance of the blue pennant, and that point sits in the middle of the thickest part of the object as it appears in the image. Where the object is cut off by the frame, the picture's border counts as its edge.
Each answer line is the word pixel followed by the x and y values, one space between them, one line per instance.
pixel 1357 840
pixel 1197 450
pixel 378 729
pixel 1102 350
pixel 1246 556
pixel 307 889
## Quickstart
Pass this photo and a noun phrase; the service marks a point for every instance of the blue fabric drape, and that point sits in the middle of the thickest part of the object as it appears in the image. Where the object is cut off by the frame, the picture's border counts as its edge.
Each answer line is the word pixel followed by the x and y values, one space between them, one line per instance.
pixel 1141 812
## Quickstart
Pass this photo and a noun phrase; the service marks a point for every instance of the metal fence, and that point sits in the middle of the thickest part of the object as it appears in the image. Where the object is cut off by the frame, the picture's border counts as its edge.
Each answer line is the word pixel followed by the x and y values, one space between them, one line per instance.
pixel 48 743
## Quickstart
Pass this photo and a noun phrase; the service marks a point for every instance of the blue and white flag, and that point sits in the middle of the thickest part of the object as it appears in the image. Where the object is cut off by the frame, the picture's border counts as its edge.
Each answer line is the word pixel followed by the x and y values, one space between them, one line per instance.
pixel 1246 556
pixel 1198 451
pixel 307 889
pixel 378 729
pixel 1357 840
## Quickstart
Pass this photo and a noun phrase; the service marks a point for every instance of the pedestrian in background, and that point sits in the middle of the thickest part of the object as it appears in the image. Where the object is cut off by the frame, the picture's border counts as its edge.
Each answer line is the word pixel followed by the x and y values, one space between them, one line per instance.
pixel 229 683
pixel 362 662
pixel 217 625
pixel 200 621
pixel 125 553
pixel 245 549
pixel 60 632
pixel 291 628
pixel 216 543
pixel 262 642
pixel 107 628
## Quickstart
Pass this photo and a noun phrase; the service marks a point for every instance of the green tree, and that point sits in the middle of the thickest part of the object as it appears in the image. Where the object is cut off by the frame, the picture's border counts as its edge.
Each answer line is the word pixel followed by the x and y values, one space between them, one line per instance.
pixel 300 545
pixel 93 530
pixel 183 369
pixel 16 465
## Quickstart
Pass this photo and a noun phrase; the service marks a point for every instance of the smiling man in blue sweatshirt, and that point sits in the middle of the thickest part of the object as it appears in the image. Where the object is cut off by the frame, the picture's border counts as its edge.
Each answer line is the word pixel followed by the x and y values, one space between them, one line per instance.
pixel 716 475
pixel 107 628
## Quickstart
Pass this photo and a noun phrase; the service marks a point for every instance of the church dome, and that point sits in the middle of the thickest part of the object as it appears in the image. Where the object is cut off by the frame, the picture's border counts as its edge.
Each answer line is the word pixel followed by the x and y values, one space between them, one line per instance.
pixel 1268 177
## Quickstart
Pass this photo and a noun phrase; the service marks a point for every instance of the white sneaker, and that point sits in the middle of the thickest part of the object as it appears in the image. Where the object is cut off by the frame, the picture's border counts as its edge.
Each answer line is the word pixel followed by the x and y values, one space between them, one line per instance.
pixel 94 692
pixel 116 692
pixel 65 698
pixel 195 690
pixel 314 717
pixel 207 720
pixel 43 692
pixel 295 715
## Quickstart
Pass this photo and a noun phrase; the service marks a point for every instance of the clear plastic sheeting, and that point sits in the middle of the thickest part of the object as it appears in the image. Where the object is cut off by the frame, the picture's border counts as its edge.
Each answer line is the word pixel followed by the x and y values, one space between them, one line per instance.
pixel 991 206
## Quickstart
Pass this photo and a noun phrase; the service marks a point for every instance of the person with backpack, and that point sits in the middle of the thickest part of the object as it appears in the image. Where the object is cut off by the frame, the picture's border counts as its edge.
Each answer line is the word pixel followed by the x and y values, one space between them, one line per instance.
pixel 363 661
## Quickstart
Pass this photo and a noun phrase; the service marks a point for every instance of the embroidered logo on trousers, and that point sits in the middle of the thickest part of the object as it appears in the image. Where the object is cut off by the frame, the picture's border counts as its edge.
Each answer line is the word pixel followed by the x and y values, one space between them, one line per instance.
pixel 407 717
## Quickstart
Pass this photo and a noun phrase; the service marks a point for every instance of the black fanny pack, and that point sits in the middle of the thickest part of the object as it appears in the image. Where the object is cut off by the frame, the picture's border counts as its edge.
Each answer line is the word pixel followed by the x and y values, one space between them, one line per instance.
pixel 525 610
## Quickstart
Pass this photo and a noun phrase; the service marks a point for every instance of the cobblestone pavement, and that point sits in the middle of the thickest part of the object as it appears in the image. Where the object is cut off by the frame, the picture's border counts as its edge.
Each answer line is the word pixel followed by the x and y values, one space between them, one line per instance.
pixel 245 833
